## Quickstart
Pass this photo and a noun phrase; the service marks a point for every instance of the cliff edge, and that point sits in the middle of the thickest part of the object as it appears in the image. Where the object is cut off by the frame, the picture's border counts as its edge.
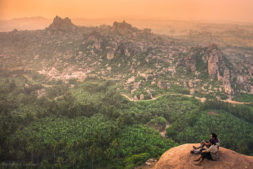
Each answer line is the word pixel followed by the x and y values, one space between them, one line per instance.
pixel 180 158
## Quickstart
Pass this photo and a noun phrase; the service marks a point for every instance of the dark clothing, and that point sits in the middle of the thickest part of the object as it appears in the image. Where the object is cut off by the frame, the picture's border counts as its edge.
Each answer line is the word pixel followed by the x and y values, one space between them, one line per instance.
pixel 214 141
pixel 206 155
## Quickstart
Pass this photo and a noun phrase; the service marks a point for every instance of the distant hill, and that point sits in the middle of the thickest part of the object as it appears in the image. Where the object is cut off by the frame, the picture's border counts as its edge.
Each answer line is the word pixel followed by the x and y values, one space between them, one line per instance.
pixel 29 23
pixel 141 61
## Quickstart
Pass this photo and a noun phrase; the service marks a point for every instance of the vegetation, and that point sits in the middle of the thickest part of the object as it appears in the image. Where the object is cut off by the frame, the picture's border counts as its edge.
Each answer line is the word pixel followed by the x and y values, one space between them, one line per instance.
pixel 244 98
pixel 92 126
pixel 87 127
pixel 222 118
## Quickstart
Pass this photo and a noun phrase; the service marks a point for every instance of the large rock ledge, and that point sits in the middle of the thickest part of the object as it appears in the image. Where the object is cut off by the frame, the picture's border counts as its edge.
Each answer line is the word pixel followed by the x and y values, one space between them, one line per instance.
pixel 180 158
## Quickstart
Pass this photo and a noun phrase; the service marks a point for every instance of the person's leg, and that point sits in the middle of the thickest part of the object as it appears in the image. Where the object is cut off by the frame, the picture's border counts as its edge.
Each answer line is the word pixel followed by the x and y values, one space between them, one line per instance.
pixel 202 144
pixel 203 155
pixel 201 159
pixel 197 159
pixel 208 156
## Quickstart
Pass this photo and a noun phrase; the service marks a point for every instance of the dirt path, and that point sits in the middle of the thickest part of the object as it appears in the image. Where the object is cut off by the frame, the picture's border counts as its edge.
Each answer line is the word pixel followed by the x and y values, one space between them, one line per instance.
pixel 201 99
pixel 131 99
pixel 236 102
pixel 171 94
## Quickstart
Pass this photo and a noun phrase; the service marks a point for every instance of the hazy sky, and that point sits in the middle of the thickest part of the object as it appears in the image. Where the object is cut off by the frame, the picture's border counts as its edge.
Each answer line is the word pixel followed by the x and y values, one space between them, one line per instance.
pixel 231 10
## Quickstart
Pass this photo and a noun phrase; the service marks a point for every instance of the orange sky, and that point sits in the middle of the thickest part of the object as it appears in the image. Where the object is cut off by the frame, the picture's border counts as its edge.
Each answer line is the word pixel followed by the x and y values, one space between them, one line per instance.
pixel 230 10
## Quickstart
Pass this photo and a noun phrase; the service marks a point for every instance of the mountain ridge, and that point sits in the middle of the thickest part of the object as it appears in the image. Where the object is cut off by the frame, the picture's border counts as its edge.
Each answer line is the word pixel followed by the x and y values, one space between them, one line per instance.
pixel 143 61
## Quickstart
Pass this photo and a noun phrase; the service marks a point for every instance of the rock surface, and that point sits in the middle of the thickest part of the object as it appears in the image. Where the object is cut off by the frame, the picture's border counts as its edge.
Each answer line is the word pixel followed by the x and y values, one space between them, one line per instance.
pixel 210 60
pixel 180 158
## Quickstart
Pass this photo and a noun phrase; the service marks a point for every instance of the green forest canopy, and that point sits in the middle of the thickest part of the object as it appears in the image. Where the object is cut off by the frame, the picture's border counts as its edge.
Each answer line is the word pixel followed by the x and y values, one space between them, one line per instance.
pixel 93 126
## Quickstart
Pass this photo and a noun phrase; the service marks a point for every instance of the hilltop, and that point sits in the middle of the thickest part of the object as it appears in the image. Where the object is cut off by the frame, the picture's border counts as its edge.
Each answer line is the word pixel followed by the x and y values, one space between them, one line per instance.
pixel 180 158
pixel 60 24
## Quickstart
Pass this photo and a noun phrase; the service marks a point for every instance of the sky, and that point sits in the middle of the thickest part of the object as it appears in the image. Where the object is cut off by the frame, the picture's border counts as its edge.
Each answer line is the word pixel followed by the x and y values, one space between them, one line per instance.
pixel 211 10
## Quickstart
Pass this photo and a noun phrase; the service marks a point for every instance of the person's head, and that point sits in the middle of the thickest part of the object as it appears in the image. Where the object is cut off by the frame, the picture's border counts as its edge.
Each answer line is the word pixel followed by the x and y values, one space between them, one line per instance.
pixel 213 135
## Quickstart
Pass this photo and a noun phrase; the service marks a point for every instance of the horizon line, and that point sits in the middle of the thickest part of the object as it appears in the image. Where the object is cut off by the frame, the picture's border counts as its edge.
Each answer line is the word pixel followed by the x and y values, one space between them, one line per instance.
pixel 134 18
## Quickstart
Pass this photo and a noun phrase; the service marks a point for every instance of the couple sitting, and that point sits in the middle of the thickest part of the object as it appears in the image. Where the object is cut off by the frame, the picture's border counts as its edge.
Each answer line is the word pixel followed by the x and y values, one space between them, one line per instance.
pixel 211 150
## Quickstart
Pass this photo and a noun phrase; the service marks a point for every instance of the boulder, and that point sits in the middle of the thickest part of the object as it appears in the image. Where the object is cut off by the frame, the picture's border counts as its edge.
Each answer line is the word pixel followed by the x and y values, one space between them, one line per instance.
pixel 110 55
pixel 142 97
pixel 180 158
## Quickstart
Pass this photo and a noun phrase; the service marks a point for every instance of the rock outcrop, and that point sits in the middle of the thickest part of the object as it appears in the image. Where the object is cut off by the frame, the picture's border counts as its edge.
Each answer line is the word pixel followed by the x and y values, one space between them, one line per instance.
pixel 180 158
pixel 211 61
pixel 217 67
pixel 215 60
pixel 94 39
pixel 123 28
pixel 64 25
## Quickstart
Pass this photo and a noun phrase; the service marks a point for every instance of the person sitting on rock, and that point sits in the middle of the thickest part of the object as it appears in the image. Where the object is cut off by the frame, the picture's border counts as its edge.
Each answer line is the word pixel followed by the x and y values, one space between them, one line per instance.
pixel 213 139
pixel 211 153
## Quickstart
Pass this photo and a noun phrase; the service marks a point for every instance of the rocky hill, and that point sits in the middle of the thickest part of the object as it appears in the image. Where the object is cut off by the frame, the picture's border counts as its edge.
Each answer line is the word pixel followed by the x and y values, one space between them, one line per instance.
pixel 180 158
pixel 142 63
pixel 64 25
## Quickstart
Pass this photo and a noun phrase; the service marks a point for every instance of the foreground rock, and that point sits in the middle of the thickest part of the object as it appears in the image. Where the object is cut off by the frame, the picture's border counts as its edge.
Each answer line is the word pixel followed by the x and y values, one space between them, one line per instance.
pixel 180 158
